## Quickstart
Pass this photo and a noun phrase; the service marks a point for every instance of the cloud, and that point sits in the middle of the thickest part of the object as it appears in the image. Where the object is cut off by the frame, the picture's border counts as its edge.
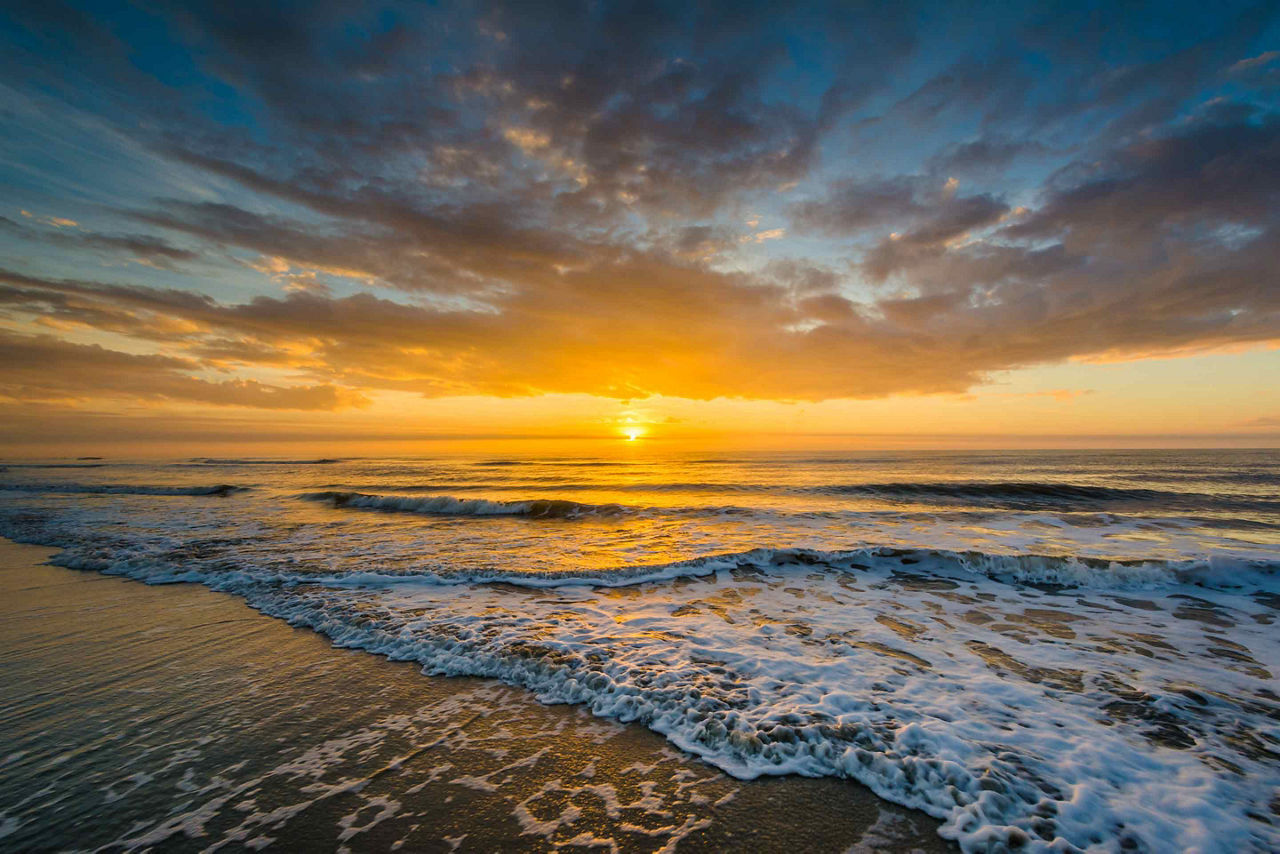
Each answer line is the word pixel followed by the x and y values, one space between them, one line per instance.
pixel 431 200
pixel 142 248
pixel 1060 395
pixel 770 234
pixel 54 221
pixel 985 156
pixel 43 368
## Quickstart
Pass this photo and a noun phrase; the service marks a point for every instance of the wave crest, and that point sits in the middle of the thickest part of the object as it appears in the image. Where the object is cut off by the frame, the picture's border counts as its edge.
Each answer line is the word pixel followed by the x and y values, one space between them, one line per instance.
pixel 1043 494
pixel 448 505
pixel 1054 571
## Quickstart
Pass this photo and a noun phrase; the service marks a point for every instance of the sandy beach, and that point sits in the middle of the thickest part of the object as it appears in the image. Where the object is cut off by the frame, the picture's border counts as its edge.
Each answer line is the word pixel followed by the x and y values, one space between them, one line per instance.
pixel 176 718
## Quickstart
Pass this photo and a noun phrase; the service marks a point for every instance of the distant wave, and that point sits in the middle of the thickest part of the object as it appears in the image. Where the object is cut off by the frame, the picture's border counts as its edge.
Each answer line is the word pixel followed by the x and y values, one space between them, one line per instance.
pixel 540 463
pixel 1261 477
pixel 51 465
pixel 220 489
pixel 215 461
pixel 447 505
pixel 1037 494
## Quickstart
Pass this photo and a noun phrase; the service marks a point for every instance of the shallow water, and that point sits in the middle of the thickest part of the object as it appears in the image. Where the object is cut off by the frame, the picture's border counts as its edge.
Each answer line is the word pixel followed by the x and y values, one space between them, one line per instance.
pixel 1070 649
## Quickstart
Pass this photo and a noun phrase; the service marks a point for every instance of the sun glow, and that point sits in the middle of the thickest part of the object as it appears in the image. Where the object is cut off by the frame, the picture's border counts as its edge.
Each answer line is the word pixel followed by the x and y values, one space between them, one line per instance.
pixel 632 433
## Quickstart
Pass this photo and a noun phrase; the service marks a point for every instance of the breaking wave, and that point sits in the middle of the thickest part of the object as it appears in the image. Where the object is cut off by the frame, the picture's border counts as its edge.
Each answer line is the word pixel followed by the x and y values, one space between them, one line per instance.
pixel 447 505
pixel 1049 571
pixel 1036 494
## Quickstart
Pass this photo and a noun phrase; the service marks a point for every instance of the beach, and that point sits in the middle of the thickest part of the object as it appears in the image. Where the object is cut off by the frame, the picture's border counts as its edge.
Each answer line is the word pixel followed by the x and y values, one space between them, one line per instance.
pixel 176 718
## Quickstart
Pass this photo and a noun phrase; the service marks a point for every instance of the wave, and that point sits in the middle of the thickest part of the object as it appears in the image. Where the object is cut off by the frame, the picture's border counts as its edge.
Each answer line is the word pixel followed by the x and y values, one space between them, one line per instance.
pixel 447 505
pixel 216 461
pixel 1010 495
pixel 1259 477
pixel 87 465
pixel 1052 571
pixel 560 508
pixel 553 462
pixel 220 489
pixel 1038 494
pixel 538 483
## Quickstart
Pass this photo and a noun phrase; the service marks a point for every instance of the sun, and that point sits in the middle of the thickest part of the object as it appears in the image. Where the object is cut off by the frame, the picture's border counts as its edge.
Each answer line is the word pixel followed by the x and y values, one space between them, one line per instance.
pixel 632 426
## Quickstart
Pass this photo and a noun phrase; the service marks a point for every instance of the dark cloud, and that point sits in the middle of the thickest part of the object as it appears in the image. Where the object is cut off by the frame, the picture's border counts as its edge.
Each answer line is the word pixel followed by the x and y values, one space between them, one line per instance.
pixel 584 110
pixel 854 206
pixel 912 217
pixel 1169 242
pixel 983 157
pixel 1205 175
pixel 143 248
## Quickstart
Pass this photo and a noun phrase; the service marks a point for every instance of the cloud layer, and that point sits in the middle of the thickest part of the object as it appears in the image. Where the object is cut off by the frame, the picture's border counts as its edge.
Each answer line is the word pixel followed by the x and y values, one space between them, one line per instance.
pixel 626 200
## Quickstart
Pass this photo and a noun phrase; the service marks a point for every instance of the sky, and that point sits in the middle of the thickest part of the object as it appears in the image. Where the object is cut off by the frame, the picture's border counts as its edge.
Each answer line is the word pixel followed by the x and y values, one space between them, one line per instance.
pixel 846 225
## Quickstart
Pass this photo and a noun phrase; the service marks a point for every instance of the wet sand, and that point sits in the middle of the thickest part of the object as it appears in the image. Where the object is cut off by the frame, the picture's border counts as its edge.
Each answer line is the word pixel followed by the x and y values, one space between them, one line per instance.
pixel 176 718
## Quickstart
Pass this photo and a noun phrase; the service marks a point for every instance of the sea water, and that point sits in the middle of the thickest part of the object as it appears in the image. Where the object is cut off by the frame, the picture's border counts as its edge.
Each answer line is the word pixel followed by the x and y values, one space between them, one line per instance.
pixel 1045 650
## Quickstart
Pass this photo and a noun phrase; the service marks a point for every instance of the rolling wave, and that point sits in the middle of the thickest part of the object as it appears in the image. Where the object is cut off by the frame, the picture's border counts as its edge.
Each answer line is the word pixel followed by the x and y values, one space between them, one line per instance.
pixel 447 505
pixel 1005 495
pixel 1038 494
pixel 1045 571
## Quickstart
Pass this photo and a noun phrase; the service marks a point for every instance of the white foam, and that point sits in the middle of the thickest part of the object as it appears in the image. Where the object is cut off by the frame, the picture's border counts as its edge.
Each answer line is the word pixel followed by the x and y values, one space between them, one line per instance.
pixel 712 665
pixel 774 663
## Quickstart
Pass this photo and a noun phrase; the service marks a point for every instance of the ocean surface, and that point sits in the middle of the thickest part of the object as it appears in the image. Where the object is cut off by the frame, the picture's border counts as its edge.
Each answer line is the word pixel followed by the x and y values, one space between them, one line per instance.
pixel 1046 650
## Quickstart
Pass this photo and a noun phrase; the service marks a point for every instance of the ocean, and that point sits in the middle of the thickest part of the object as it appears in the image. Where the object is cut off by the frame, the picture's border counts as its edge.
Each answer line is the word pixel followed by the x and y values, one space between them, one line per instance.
pixel 1066 650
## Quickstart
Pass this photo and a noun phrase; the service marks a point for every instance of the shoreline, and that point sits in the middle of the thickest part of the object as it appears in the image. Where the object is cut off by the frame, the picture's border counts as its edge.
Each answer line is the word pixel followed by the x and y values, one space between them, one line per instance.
pixel 138 715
